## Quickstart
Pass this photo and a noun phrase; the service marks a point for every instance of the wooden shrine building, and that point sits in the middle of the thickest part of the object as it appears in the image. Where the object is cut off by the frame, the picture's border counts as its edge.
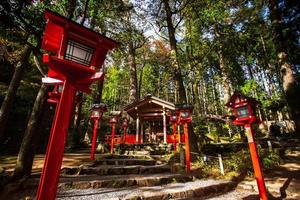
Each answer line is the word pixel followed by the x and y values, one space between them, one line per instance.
pixel 151 116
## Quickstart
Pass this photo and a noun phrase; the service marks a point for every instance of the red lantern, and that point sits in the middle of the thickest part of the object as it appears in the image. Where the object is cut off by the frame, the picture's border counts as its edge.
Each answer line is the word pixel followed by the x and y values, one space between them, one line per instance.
pixel 114 118
pixel 124 126
pixel 173 120
pixel 54 96
pixel 183 112
pixel 244 109
pixel 125 123
pixel 97 110
pixel 75 52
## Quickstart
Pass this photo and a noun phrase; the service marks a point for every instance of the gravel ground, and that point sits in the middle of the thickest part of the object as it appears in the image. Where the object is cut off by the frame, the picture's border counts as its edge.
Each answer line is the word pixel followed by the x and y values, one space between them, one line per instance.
pixel 236 195
pixel 93 194
pixel 112 194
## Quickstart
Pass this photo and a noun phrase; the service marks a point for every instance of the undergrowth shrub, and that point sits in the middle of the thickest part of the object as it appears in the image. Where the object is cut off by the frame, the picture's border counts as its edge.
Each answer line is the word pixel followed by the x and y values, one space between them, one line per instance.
pixel 237 162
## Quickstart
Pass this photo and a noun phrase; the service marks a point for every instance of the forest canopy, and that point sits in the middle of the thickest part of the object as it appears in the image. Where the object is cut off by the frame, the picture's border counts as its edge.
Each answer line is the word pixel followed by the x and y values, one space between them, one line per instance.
pixel 183 51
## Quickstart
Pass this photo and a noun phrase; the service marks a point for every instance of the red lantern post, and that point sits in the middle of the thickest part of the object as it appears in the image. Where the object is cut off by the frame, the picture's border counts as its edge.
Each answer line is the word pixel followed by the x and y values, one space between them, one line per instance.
pixel 114 118
pixel 124 126
pixel 244 111
pixel 75 51
pixel 184 117
pixel 97 110
pixel 173 120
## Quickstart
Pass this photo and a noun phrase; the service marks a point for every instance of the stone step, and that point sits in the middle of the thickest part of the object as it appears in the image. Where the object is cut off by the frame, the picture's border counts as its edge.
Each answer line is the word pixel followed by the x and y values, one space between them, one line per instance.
pixel 122 161
pixel 118 181
pixel 116 170
pixel 199 188
pixel 112 181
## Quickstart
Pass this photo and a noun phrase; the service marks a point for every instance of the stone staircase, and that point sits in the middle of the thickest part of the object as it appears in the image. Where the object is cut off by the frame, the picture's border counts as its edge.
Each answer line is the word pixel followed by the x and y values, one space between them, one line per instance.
pixel 140 172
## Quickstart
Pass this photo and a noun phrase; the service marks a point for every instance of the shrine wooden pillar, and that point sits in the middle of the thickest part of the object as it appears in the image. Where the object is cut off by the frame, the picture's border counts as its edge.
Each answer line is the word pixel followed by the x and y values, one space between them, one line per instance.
pixel 165 125
pixel 137 129
pixel 142 132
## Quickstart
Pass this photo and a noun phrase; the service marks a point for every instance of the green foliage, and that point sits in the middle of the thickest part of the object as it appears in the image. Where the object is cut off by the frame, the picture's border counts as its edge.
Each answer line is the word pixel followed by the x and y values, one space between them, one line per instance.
pixel 116 88
pixel 238 162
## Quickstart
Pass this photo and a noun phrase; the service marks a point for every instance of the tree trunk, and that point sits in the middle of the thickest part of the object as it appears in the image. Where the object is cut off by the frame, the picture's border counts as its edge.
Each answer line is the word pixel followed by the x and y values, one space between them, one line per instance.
pixel 133 74
pixel 12 90
pixel 174 57
pixel 225 78
pixel 84 14
pixel 31 136
pixel 290 85
pixel 291 89
pixel 177 70
pixel 75 133
pixel 141 80
pixel 71 6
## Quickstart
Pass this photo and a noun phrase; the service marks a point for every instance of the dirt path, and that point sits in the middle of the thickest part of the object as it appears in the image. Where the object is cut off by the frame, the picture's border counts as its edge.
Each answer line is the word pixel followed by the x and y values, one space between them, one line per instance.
pixel 69 160
pixel 282 182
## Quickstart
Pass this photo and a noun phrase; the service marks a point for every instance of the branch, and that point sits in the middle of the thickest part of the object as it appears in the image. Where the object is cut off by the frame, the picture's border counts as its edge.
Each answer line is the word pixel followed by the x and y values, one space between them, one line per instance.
pixel 86 7
pixel 38 66
pixel 180 20
pixel 181 8
pixel 153 26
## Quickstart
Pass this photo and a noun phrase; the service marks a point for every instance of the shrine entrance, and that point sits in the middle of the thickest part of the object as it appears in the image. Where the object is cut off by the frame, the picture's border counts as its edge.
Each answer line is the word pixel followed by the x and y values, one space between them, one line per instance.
pixel 150 115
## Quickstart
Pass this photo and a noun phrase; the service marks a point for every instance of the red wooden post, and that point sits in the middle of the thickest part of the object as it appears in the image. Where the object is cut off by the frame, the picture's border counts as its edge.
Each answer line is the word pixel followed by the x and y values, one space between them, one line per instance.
pixel 75 51
pixel 56 144
pixel 124 126
pixel 124 135
pixel 244 109
pixel 112 138
pixel 256 163
pixel 187 147
pixel 96 122
pixel 174 135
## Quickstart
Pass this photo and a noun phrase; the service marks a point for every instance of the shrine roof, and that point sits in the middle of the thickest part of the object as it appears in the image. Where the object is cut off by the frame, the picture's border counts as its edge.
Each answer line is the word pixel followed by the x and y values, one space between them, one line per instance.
pixel 150 107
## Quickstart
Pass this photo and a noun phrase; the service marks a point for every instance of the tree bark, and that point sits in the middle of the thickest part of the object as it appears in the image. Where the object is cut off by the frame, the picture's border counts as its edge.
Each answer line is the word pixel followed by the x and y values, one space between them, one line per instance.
pixel 225 78
pixel 174 57
pixel 31 136
pixel 71 6
pixel 12 90
pixel 177 71
pixel 290 86
pixel 84 14
pixel 133 73
pixel 291 89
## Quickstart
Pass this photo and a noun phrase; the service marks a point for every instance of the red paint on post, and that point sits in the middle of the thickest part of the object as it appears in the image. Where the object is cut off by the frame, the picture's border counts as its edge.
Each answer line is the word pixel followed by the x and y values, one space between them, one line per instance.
pixel 256 163
pixel 56 144
pixel 187 147
pixel 124 135
pixel 174 137
pixel 96 121
pixel 112 138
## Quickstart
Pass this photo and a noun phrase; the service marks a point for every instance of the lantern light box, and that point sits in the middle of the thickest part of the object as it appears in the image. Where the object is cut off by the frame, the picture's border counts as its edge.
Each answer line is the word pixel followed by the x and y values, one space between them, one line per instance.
pixel 244 108
pixel 97 110
pixel 173 118
pixel 125 123
pixel 114 117
pixel 75 51
pixel 183 112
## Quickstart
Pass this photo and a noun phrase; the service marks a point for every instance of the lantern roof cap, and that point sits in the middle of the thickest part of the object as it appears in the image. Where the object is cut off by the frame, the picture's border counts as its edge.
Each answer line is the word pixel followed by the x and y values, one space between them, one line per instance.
pixel 69 24
pixel 240 95
pixel 102 106
pixel 184 106
pixel 115 113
